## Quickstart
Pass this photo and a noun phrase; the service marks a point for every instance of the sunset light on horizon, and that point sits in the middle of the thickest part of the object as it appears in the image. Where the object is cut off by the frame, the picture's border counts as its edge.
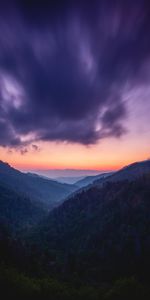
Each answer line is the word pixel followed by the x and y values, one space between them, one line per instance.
pixel 75 86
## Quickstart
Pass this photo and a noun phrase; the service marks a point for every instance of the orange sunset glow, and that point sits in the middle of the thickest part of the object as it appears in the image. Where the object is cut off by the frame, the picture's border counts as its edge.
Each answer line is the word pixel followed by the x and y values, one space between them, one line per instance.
pixel 65 107
pixel 109 154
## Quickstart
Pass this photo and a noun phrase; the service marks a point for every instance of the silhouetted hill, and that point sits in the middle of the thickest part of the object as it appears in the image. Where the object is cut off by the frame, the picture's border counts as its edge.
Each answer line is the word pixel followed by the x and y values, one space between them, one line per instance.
pixel 100 233
pixel 130 172
pixel 48 192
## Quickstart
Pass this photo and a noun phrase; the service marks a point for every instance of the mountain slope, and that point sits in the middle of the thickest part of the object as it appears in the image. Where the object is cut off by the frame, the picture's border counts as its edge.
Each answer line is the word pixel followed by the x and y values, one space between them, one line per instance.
pixel 17 211
pixel 101 233
pixel 70 180
pixel 48 192
pixel 130 172
pixel 90 179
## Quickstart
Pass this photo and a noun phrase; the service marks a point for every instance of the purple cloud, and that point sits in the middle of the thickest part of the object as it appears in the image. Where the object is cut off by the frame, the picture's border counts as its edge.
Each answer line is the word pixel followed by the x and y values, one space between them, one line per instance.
pixel 64 66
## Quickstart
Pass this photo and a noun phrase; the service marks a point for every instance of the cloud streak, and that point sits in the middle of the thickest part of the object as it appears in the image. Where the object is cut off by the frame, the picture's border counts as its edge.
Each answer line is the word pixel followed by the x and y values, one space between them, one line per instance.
pixel 64 68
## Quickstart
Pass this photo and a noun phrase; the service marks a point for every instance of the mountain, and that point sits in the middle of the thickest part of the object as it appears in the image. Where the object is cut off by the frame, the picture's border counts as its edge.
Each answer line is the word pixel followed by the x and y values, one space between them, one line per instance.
pixel 49 193
pixel 101 233
pixel 56 173
pixel 130 172
pixel 17 211
pixel 90 179
pixel 82 181
pixel 70 180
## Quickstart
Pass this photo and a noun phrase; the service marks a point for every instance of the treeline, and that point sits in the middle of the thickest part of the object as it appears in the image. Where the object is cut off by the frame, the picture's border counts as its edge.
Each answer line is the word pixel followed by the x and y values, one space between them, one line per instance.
pixel 94 247
pixel 16 284
pixel 101 233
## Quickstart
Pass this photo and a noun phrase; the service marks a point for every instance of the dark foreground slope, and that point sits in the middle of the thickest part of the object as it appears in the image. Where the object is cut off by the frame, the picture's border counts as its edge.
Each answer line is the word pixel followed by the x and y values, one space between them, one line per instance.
pixel 102 233
pixel 18 285
pixel 16 280
pixel 50 193
pixel 18 212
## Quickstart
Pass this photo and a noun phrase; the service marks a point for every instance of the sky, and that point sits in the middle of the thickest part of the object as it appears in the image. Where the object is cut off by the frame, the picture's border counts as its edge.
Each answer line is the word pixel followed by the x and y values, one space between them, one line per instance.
pixel 74 83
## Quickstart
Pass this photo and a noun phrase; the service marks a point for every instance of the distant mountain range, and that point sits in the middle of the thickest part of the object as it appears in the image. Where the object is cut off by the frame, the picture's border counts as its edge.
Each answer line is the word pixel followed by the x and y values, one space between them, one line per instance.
pixel 66 173
pixel 70 180
pixel 84 180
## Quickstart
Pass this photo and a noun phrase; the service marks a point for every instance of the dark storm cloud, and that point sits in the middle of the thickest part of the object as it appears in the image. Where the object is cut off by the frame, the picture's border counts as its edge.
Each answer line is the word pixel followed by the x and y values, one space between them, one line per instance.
pixel 64 67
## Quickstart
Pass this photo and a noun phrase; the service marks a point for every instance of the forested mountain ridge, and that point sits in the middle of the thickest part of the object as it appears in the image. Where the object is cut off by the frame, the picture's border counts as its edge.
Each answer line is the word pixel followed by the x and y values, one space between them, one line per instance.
pixel 82 247
pixel 129 172
pixel 100 233
pixel 49 193
pixel 18 212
